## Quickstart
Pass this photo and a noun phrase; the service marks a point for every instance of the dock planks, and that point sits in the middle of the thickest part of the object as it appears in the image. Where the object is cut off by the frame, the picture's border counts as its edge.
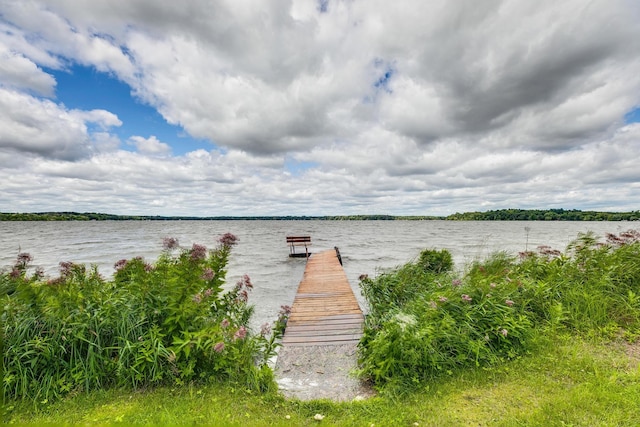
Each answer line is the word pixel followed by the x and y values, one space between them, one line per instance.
pixel 325 310
pixel 320 344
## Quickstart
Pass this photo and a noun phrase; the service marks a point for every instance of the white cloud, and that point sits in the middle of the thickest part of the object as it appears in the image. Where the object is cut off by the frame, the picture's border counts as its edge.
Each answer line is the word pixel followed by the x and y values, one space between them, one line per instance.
pixel 43 128
pixel 20 73
pixel 150 146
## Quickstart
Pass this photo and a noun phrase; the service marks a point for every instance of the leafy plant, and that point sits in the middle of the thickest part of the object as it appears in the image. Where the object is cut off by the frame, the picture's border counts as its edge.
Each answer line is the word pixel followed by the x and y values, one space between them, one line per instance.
pixel 424 322
pixel 153 323
pixel 435 261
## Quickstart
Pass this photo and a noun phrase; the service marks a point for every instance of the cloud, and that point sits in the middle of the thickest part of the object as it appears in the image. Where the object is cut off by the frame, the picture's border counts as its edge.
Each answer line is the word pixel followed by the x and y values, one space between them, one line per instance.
pixel 150 146
pixel 43 128
pixel 18 72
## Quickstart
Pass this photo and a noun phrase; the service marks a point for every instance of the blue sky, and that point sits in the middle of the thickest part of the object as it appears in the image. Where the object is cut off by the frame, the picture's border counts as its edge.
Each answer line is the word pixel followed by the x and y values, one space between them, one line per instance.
pixel 85 88
pixel 318 107
pixel 633 116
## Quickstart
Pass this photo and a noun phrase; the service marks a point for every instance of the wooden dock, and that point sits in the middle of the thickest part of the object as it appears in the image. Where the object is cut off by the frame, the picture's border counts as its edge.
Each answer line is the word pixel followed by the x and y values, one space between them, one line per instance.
pixel 320 345
pixel 325 310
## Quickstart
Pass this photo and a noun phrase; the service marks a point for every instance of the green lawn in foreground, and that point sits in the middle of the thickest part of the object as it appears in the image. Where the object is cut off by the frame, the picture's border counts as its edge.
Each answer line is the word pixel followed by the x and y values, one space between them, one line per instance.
pixel 568 381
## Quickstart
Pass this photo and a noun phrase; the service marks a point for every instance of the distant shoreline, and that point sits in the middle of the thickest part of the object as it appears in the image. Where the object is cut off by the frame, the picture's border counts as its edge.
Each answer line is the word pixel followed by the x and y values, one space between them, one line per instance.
pixel 495 215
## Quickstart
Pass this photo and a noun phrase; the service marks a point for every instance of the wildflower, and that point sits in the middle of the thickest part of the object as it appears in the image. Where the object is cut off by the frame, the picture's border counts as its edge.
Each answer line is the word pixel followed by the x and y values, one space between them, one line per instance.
pixel 285 309
pixel 228 240
pixel 466 297
pixel 55 282
pixel 443 299
pixel 488 295
pixel 148 267
pixel 208 292
pixel 509 302
pixel 433 304
pixel 403 320
pixel 283 315
pixel 525 254
pixel 66 267
pixel 240 334
pixel 504 332
pixel 247 281
pixel 198 252
pixel 318 417
pixel 288 417
pixel 39 273
pixel 207 274
pixel 492 285
pixel 23 259
pixel 197 298
pixel 119 265
pixel 15 273
pixel 169 243
pixel 456 282
pixel 243 296
pixel 225 323
pixel 265 329
pixel 219 347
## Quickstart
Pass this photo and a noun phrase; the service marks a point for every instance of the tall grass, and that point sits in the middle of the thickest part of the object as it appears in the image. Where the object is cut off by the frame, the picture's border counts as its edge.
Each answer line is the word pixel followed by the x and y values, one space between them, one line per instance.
pixel 426 321
pixel 156 323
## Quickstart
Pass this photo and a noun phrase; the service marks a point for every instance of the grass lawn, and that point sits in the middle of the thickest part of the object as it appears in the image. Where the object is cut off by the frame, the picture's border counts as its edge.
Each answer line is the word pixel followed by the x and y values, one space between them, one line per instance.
pixel 568 381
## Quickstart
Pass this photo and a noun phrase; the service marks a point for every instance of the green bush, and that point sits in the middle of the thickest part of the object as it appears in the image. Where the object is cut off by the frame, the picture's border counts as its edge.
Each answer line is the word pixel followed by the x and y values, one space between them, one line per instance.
pixel 424 322
pixel 153 323
pixel 435 261
pixel 442 324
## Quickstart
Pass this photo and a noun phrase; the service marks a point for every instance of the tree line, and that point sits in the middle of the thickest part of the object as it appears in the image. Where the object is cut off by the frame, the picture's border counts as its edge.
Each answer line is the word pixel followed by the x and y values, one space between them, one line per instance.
pixel 544 215
pixel 493 215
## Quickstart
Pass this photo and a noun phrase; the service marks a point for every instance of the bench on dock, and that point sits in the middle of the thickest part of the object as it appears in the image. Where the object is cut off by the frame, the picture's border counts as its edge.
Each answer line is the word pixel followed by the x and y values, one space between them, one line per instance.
pixel 294 241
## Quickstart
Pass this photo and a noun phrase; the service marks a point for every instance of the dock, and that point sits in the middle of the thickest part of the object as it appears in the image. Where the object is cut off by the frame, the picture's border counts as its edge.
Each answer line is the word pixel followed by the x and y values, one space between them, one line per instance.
pixel 319 346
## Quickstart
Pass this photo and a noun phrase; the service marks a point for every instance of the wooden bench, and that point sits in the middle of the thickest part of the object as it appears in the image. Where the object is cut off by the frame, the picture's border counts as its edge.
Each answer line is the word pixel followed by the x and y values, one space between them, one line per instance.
pixel 294 241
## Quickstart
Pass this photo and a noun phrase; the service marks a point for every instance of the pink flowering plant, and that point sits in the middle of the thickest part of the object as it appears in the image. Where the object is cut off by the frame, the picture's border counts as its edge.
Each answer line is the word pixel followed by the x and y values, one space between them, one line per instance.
pixel 168 321
pixel 424 323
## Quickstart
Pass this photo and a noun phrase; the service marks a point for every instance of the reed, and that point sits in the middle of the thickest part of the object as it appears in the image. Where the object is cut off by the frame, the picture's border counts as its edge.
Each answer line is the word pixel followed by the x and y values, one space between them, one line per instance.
pixel 424 323
pixel 167 322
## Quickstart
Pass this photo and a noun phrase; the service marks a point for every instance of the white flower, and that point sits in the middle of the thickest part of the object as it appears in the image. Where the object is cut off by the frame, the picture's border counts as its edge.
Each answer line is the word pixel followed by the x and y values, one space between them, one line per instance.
pixel 318 417
pixel 405 320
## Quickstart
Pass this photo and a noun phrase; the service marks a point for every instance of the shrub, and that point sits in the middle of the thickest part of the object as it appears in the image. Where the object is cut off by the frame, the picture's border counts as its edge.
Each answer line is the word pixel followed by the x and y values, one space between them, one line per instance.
pixel 435 261
pixel 422 323
pixel 153 323
pixel 442 324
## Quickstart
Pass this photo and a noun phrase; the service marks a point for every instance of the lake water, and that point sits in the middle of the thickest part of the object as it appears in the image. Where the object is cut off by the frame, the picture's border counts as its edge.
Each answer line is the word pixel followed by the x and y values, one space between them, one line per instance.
pixel 367 247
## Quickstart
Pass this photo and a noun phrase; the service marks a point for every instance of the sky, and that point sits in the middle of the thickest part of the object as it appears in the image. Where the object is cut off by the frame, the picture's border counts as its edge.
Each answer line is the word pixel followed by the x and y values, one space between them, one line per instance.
pixel 319 107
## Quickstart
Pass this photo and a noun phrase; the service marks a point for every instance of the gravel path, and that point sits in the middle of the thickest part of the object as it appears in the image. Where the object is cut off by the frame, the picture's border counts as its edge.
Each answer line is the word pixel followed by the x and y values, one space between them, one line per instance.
pixel 320 372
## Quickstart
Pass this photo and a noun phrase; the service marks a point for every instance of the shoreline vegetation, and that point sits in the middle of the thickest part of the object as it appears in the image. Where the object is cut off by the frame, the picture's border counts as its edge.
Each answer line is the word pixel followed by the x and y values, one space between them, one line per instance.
pixel 510 340
pixel 492 215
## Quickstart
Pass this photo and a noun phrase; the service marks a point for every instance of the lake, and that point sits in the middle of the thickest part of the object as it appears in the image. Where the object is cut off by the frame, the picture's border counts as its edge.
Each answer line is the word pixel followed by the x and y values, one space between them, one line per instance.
pixel 367 247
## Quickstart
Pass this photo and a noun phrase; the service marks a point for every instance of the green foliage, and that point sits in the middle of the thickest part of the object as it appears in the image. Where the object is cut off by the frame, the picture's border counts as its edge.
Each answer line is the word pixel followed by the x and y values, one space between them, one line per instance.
pixel 548 388
pixel 435 261
pixel 544 215
pixel 167 322
pixel 424 323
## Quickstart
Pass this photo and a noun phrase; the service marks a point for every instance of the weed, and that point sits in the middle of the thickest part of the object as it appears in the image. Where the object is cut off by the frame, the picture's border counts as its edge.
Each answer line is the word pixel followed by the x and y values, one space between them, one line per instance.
pixel 425 323
pixel 153 323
